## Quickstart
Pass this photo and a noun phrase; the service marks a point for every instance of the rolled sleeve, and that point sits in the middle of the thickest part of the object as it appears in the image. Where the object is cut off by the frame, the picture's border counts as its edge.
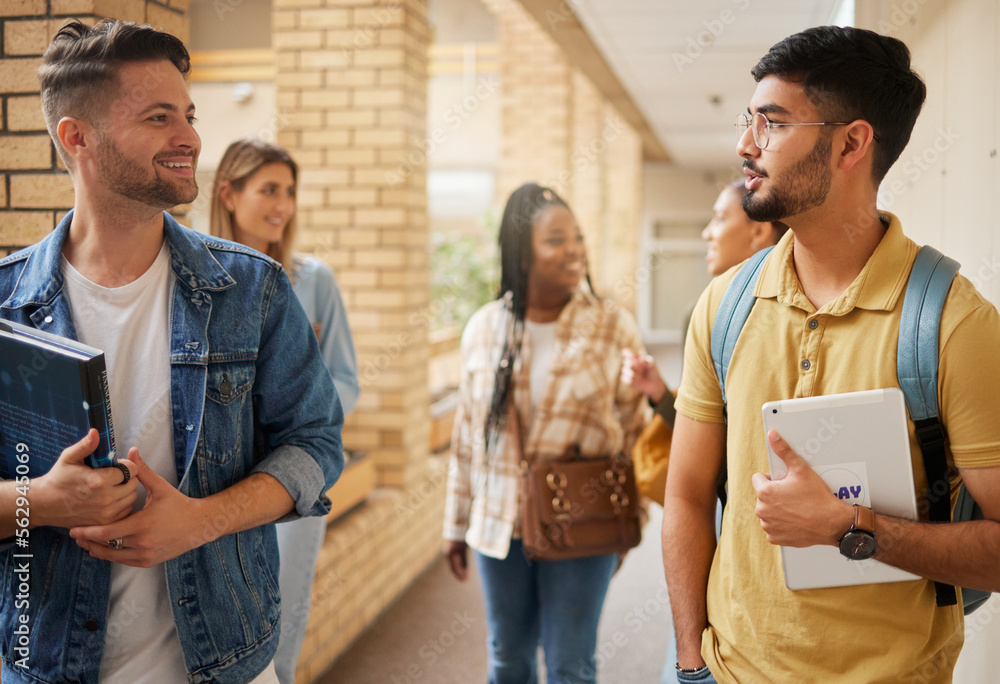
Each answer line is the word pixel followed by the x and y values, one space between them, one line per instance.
pixel 297 408
pixel 302 478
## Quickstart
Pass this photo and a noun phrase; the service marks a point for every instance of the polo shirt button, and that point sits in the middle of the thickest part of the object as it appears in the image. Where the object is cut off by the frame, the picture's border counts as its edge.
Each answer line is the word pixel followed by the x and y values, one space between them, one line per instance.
pixel 91 625
pixel 813 324
pixel 805 364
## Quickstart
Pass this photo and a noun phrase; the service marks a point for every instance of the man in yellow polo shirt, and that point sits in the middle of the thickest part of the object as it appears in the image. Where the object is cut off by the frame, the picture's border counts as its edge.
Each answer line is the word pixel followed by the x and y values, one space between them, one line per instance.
pixel 833 110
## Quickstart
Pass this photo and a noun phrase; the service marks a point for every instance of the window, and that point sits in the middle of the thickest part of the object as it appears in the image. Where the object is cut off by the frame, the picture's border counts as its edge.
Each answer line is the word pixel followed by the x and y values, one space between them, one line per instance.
pixel 673 271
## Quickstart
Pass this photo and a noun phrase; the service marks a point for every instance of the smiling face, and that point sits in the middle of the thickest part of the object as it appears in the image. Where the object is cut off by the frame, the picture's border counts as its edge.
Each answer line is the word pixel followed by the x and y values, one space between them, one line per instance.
pixel 262 209
pixel 793 175
pixel 147 148
pixel 730 234
pixel 559 258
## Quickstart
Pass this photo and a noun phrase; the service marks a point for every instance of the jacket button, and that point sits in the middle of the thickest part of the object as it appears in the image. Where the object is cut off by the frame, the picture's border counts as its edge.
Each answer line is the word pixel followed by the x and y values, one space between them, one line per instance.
pixel 805 364
pixel 91 625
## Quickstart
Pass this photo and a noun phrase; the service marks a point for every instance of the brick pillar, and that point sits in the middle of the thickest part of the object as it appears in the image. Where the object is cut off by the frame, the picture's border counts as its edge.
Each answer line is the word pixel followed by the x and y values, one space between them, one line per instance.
pixel 558 129
pixel 352 106
pixel 586 171
pixel 622 209
pixel 536 90
pixel 35 190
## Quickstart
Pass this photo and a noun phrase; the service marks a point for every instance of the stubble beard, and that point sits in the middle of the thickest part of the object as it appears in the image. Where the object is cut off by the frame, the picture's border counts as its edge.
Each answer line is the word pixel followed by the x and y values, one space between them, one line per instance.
pixel 128 179
pixel 807 187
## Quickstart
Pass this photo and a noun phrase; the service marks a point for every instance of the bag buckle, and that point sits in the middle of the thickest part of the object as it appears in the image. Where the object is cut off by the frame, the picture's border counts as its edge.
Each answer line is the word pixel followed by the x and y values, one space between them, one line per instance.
pixel 556 481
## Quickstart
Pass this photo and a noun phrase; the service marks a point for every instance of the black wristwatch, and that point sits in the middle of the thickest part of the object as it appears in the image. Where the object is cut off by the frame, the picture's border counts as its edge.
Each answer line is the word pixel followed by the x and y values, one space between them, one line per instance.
pixel 859 542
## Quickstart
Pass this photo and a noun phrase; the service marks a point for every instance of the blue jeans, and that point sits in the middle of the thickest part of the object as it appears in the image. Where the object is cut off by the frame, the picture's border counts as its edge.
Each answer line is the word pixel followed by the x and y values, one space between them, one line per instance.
pixel 299 543
pixel 702 676
pixel 557 603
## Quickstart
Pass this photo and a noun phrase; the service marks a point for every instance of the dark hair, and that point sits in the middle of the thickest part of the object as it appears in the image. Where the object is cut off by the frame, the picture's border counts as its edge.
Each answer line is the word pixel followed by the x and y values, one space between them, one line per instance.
pixel 851 73
pixel 778 229
pixel 79 71
pixel 523 208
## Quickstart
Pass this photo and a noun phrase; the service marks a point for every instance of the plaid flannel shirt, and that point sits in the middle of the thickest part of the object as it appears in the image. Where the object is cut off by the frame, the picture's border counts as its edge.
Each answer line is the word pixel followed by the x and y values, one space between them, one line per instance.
pixel 583 403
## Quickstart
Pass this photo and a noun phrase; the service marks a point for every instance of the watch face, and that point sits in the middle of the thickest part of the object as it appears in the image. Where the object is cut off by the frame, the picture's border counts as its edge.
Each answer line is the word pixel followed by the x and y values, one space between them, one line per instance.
pixel 858 545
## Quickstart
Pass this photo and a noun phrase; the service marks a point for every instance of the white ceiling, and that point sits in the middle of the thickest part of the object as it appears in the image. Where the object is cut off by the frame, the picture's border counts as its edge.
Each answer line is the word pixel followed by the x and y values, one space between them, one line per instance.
pixel 689 92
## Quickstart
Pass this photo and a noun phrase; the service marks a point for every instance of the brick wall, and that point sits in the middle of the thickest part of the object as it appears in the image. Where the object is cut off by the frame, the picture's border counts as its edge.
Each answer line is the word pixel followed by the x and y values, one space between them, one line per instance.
pixel 559 130
pixel 35 190
pixel 352 91
pixel 622 209
pixel 536 103
pixel 368 559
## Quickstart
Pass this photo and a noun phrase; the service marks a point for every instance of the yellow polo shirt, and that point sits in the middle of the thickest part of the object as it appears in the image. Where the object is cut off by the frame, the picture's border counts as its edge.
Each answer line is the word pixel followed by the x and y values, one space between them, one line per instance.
pixel 760 631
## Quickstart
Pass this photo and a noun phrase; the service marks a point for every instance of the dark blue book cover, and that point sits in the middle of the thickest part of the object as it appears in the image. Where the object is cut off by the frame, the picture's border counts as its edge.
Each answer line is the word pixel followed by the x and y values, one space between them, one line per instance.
pixel 52 391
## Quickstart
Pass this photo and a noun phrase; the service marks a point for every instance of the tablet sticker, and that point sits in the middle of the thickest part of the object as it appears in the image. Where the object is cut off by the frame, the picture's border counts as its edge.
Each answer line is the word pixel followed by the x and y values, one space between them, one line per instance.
pixel 849 481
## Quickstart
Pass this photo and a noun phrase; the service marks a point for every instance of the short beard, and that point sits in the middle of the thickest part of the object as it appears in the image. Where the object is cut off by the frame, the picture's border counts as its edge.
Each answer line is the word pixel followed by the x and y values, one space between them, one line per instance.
pixel 129 180
pixel 808 185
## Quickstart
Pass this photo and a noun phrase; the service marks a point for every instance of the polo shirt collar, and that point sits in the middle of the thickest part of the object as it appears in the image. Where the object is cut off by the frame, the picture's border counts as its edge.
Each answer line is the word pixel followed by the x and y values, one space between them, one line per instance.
pixel 876 288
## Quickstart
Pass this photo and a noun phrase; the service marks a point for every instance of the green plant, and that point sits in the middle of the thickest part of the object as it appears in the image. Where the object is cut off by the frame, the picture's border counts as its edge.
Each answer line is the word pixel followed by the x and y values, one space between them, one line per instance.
pixel 464 274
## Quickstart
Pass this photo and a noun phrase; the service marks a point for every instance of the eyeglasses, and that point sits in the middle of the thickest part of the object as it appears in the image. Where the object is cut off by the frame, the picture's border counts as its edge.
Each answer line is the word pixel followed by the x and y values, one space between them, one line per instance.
pixel 761 127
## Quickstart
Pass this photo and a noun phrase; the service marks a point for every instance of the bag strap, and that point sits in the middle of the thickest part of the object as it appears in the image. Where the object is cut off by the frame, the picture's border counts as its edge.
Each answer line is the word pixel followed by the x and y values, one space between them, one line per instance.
pixel 917 369
pixel 734 309
pixel 732 314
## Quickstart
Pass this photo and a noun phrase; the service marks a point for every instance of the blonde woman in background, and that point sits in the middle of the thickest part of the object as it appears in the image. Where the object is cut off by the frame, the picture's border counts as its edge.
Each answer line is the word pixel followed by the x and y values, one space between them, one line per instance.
pixel 253 203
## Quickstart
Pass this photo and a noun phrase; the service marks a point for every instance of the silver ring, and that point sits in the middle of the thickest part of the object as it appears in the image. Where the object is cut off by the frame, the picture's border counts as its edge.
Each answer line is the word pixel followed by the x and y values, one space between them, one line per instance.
pixel 116 544
pixel 126 473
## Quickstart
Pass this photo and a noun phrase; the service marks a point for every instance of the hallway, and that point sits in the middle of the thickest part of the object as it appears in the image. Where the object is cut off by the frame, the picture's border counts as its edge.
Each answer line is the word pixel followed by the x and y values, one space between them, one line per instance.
pixel 436 633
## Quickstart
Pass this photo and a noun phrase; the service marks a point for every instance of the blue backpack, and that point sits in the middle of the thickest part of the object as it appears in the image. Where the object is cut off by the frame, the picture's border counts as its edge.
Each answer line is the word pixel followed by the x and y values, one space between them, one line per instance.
pixel 916 367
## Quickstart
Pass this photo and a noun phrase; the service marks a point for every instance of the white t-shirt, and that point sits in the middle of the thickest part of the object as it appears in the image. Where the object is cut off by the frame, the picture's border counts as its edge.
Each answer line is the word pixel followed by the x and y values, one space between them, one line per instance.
pixel 543 349
pixel 130 324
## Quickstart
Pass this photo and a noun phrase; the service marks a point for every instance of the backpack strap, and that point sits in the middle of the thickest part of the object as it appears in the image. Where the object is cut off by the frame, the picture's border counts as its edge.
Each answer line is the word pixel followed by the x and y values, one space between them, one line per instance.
pixel 734 309
pixel 917 369
pixel 732 314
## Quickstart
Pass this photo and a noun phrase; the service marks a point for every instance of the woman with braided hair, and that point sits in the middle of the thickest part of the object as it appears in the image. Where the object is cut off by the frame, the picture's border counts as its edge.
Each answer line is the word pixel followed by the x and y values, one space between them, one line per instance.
pixel 540 365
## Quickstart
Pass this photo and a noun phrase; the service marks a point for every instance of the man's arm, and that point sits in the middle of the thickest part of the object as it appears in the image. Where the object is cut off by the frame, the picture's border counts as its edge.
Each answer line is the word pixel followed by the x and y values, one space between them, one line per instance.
pixel 800 510
pixel 71 493
pixel 171 523
pixel 964 554
pixel 696 455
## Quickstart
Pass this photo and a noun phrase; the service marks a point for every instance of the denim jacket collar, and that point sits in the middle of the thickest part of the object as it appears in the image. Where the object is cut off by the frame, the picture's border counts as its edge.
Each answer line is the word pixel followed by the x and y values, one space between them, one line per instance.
pixel 42 279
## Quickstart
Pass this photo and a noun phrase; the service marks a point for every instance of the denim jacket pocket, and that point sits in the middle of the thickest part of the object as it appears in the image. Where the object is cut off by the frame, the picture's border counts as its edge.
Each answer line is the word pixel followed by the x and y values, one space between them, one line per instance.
pixel 228 409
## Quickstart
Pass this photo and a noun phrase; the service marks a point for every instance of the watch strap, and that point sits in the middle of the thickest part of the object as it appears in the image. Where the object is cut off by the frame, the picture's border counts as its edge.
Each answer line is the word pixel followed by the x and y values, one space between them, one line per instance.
pixel 864 519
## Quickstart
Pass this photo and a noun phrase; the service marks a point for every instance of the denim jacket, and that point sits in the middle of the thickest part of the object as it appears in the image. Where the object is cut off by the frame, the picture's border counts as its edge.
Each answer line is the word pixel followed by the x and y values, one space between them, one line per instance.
pixel 249 393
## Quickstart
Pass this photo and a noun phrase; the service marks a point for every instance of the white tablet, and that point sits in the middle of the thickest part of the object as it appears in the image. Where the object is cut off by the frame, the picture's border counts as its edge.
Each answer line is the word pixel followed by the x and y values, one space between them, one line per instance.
pixel 858 442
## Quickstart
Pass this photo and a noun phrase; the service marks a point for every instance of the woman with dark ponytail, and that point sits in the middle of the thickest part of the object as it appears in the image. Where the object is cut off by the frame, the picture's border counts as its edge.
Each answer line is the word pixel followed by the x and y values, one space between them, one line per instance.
pixel 540 365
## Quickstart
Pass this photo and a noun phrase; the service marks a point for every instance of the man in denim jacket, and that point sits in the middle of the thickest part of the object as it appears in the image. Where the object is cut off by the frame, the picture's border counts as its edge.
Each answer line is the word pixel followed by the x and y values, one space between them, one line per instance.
pixel 218 389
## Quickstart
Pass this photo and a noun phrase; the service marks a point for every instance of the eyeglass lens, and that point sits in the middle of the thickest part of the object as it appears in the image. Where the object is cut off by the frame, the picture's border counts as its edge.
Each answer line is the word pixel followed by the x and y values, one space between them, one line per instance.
pixel 758 123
